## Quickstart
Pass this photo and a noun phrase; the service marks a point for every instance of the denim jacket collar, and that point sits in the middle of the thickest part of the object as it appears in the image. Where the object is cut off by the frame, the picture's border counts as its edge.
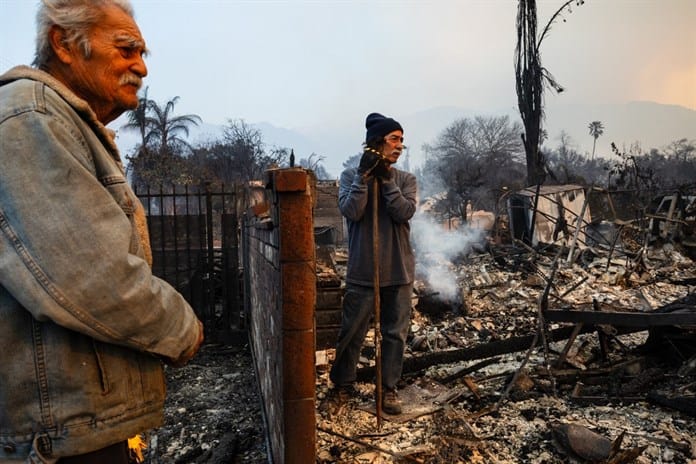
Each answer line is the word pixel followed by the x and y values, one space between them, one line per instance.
pixel 105 134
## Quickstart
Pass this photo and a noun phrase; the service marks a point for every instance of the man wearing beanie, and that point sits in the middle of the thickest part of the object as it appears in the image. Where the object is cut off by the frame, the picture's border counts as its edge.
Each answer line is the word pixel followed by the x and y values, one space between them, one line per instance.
pixel 395 207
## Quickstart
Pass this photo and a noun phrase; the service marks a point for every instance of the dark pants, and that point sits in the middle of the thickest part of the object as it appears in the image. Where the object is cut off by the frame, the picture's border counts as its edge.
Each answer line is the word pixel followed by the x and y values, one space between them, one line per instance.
pixel 114 454
pixel 358 309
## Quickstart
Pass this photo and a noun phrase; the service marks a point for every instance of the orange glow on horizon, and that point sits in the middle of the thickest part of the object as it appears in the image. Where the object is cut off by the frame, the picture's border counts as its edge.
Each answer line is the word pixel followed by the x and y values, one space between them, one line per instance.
pixel 674 87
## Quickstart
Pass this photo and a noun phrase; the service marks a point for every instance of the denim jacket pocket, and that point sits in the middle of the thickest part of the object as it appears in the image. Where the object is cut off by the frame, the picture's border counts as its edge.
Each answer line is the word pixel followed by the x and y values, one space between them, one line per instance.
pixel 121 192
pixel 103 372
pixel 143 383
pixel 126 200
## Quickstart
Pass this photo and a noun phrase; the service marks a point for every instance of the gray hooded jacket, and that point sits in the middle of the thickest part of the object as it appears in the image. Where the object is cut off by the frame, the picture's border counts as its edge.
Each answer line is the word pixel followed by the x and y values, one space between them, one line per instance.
pixel 396 206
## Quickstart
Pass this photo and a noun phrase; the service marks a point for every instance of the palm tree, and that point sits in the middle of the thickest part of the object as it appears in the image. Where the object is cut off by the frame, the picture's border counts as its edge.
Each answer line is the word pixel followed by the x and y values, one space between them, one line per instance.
pixel 531 78
pixel 596 129
pixel 158 159
pixel 137 118
pixel 164 128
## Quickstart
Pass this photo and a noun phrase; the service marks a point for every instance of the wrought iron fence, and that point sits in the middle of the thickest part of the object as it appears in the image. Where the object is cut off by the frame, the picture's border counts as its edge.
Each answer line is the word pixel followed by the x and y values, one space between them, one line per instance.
pixel 194 237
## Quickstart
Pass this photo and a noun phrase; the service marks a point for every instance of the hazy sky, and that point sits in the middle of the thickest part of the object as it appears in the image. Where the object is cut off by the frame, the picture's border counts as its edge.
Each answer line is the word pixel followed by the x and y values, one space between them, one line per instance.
pixel 301 63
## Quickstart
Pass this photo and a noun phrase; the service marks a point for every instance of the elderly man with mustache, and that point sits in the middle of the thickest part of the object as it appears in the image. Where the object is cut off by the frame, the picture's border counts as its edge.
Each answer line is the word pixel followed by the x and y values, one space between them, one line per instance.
pixel 84 325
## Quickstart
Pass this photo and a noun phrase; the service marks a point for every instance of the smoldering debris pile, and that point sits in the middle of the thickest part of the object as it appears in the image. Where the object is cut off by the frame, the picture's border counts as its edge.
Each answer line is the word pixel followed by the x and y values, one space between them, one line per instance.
pixel 498 374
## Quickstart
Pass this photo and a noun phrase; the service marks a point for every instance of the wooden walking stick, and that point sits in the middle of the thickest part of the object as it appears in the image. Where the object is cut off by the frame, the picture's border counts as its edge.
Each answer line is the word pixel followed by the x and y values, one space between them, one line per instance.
pixel 375 286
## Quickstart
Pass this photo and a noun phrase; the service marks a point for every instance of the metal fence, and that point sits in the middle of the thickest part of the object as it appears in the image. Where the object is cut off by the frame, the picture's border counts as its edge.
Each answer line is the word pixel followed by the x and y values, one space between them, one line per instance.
pixel 194 236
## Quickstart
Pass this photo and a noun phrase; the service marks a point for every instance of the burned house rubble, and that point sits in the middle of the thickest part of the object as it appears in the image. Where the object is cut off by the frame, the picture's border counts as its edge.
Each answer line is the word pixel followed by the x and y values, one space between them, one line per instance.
pixel 570 337
pixel 541 346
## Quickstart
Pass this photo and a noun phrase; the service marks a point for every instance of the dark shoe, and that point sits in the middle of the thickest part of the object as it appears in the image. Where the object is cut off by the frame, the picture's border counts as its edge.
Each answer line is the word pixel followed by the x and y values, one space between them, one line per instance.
pixel 338 398
pixel 390 402
pixel 342 393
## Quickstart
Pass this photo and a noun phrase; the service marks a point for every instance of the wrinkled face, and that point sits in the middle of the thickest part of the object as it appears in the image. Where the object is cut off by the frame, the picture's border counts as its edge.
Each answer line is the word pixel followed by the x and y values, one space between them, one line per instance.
pixel 393 146
pixel 110 78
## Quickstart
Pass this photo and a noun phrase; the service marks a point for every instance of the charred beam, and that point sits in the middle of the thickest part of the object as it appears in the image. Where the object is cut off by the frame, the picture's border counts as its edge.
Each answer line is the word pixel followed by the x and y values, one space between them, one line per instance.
pixel 622 319
pixel 685 404
pixel 486 350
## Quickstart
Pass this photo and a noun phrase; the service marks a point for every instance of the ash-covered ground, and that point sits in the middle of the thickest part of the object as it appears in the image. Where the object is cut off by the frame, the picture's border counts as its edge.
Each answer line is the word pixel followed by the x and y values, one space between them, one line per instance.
pixel 572 412
pixel 212 413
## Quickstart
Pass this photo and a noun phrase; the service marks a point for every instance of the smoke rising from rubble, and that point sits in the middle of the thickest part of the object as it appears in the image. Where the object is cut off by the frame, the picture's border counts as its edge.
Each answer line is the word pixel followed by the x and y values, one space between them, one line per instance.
pixel 436 247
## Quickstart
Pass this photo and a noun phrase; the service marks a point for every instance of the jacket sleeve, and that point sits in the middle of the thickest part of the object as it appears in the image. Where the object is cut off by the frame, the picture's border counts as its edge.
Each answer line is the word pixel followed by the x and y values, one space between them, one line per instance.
pixel 65 244
pixel 401 196
pixel 352 195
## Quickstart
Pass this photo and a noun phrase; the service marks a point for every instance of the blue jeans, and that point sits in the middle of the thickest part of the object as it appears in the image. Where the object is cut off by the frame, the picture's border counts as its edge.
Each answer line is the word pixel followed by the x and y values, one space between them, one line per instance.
pixel 358 309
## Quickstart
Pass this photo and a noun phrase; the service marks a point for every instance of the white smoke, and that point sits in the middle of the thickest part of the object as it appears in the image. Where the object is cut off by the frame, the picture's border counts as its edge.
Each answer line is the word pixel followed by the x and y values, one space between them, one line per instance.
pixel 436 247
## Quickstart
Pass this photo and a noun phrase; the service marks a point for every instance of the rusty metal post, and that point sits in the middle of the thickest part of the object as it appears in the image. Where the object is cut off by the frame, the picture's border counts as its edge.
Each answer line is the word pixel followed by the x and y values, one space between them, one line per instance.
pixel 377 302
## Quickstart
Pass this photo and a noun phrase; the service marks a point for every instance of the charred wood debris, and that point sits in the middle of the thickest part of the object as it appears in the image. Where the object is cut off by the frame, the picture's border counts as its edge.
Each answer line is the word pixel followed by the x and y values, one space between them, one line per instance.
pixel 546 354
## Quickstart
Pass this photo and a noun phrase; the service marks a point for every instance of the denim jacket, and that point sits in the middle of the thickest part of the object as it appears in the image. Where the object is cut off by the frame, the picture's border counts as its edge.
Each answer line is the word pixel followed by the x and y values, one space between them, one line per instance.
pixel 83 322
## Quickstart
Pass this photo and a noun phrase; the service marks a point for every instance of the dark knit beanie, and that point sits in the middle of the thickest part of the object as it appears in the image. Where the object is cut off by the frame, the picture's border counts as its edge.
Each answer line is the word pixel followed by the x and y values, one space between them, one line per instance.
pixel 378 125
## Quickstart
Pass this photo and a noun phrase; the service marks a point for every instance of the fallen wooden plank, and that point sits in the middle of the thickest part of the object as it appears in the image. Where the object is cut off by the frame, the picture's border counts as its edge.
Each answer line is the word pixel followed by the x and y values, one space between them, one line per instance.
pixel 486 350
pixel 622 319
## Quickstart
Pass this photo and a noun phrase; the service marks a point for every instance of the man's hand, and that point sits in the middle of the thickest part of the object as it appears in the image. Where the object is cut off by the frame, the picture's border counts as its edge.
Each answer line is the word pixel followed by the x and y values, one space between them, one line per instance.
pixel 383 170
pixel 368 162
pixel 186 356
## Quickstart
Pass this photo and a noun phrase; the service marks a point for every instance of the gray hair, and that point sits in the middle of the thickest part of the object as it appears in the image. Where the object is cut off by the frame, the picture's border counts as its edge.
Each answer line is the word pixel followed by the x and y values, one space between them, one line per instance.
pixel 76 17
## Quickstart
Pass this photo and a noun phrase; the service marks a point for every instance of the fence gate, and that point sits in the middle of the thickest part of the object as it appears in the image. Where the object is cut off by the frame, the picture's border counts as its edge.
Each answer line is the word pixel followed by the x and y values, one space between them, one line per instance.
pixel 195 247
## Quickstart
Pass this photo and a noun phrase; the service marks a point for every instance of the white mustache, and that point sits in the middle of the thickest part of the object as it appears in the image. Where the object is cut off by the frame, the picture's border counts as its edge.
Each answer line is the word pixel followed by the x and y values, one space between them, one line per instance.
pixel 131 79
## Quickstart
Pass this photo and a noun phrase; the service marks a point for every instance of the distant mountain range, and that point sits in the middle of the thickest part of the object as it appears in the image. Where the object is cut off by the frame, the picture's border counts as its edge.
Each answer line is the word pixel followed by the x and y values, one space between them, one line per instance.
pixel 652 125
